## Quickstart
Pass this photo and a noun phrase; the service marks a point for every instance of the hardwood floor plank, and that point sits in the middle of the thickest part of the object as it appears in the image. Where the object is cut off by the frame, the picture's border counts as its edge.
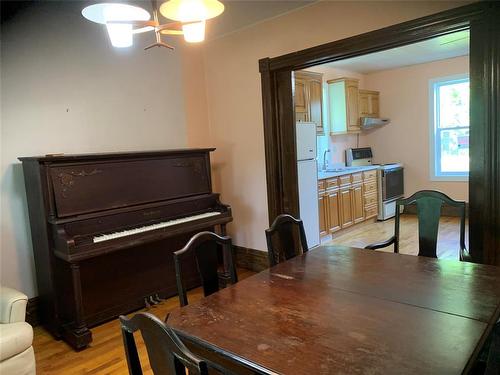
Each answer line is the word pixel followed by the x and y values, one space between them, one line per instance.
pixel 105 355
pixel 370 232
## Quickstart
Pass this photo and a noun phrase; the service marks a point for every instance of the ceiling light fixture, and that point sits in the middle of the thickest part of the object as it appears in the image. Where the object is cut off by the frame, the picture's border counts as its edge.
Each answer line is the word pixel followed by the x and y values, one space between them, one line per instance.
pixel 123 21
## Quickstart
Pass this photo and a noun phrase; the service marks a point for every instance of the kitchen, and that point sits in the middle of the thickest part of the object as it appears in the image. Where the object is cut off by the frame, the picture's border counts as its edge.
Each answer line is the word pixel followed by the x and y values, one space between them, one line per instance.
pixel 374 126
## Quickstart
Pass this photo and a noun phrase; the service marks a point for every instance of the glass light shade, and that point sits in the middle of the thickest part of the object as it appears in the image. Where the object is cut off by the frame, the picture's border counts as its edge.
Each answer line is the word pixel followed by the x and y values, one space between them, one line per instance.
pixel 119 34
pixel 194 32
pixel 104 12
pixel 191 10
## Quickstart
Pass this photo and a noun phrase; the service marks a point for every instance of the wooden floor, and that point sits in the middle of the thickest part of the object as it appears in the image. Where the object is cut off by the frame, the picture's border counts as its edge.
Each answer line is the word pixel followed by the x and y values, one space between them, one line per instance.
pixel 370 232
pixel 105 354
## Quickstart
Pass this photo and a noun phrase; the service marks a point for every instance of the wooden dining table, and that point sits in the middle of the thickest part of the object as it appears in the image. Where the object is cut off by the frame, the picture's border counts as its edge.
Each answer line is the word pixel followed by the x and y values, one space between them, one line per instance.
pixel 344 310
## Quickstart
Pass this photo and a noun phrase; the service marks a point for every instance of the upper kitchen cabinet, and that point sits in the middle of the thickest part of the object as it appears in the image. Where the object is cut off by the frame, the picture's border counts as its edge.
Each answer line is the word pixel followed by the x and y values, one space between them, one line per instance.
pixel 369 103
pixel 343 102
pixel 308 96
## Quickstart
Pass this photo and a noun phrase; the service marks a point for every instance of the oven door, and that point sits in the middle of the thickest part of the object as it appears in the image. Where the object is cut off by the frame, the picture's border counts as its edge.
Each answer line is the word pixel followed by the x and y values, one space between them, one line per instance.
pixel 392 184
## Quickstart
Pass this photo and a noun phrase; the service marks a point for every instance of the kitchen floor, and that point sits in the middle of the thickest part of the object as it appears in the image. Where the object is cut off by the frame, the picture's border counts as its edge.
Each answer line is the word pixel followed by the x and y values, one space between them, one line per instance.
pixel 369 232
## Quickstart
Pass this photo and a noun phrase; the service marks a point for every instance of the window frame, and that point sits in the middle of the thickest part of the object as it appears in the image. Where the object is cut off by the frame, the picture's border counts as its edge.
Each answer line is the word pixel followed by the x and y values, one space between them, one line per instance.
pixel 435 154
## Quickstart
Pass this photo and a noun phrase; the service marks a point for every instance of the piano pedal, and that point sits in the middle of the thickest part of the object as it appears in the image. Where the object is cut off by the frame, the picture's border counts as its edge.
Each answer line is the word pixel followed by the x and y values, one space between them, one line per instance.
pixel 146 303
pixel 158 299
pixel 152 301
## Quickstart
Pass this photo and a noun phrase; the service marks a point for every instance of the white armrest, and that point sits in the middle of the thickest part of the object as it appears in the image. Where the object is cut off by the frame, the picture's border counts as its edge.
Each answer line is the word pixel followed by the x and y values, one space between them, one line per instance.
pixel 12 305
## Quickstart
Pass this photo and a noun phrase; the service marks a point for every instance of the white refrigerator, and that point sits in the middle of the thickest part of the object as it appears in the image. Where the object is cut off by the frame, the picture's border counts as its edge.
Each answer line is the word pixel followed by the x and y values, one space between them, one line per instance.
pixel 308 180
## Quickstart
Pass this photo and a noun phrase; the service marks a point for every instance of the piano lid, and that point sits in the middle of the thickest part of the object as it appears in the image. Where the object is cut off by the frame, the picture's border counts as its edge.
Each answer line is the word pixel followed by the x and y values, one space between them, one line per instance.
pixel 92 185
pixel 112 155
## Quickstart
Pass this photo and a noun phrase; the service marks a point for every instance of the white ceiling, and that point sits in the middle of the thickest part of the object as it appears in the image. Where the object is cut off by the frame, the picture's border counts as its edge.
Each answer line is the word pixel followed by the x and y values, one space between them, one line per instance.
pixel 440 48
pixel 243 13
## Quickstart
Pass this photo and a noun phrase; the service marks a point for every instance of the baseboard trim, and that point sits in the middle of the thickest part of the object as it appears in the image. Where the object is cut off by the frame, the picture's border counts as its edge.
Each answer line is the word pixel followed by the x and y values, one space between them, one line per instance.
pixel 32 311
pixel 445 210
pixel 251 259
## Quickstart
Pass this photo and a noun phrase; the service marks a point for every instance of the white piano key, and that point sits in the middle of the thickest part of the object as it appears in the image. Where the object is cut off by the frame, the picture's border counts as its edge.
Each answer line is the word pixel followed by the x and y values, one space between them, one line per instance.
pixel 147 228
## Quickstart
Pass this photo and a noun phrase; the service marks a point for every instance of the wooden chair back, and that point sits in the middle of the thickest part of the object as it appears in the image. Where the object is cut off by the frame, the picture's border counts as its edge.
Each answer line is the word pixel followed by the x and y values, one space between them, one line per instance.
pixel 204 246
pixel 167 354
pixel 429 204
pixel 286 239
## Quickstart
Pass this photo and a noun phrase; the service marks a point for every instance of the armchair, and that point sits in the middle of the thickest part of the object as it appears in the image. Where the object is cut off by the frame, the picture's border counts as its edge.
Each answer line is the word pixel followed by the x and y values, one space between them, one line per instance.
pixel 16 336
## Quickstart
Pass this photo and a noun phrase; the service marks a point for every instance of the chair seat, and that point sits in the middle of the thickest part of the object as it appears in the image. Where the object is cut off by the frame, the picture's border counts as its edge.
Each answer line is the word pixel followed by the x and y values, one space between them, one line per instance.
pixel 15 338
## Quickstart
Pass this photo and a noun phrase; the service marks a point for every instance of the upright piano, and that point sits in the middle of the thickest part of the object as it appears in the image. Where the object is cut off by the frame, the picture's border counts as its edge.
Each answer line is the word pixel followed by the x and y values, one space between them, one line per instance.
pixel 104 227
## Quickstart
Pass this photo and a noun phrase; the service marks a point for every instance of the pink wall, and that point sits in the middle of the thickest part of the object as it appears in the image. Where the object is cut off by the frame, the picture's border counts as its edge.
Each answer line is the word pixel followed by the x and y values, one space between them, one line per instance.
pixel 404 98
pixel 234 93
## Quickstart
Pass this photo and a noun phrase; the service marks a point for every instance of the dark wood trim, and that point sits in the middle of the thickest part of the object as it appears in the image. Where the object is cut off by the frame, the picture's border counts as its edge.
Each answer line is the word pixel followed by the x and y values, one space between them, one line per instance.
pixel 279 123
pixel 378 40
pixel 32 311
pixel 484 176
pixel 251 259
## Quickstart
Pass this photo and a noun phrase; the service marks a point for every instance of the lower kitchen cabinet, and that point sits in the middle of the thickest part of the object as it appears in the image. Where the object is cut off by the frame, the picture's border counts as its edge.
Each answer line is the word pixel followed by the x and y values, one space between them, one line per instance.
pixel 322 206
pixel 358 211
pixel 346 216
pixel 346 200
pixel 333 211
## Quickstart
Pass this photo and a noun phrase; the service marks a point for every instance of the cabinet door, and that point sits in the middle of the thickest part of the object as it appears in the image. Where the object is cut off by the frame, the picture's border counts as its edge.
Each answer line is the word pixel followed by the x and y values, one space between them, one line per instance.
pixel 374 101
pixel 322 211
pixel 364 105
pixel 333 211
pixel 300 98
pixel 345 199
pixel 352 99
pixel 358 212
pixel 315 101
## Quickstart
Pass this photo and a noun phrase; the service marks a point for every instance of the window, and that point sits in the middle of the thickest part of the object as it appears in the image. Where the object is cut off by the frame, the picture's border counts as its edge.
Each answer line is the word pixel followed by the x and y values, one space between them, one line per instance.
pixel 450 128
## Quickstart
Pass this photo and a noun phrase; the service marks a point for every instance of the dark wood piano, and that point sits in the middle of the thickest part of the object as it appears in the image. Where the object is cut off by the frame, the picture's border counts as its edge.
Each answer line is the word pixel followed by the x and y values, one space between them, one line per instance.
pixel 104 227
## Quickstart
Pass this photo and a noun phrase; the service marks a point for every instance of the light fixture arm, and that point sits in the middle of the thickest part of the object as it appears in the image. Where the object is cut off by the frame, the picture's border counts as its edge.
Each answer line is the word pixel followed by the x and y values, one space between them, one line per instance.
pixel 157 30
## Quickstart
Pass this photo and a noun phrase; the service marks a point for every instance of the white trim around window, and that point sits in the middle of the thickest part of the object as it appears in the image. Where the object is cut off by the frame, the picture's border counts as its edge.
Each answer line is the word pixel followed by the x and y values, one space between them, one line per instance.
pixel 435 174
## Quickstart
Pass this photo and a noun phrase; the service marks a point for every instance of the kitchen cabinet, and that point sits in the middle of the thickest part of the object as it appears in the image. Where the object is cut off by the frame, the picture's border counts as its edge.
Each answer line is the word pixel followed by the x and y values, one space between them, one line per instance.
pixel 322 209
pixel 333 211
pixel 370 194
pixel 347 200
pixel 369 103
pixel 343 101
pixel 358 208
pixel 308 97
pixel 328 203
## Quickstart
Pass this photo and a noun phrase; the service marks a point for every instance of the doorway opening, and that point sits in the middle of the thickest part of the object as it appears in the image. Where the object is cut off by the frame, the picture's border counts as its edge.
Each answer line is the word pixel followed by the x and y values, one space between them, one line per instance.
pixel 383 126
pixel 480 19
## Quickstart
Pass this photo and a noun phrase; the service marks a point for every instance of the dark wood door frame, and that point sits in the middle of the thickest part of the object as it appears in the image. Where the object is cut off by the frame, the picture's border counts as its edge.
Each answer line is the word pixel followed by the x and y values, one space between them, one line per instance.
pixel 484 177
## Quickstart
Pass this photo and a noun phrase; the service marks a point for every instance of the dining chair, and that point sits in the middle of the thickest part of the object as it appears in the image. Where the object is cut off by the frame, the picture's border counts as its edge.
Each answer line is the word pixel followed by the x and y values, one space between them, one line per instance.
pixel 204 247
pixel 285 238
pixel 493 359
pixel 429 204
pixel 167 354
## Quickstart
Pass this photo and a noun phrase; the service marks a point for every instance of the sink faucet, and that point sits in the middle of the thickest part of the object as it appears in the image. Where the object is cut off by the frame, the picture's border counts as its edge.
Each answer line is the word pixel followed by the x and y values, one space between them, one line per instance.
pixel 325 162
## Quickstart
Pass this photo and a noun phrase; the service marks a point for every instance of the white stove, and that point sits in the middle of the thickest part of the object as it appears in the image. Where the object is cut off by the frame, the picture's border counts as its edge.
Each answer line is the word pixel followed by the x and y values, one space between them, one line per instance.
pixel 390 179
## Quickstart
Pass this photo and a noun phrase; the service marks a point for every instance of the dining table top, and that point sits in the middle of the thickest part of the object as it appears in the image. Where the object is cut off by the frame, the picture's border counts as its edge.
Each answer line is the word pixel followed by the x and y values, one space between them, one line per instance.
pixel 346 310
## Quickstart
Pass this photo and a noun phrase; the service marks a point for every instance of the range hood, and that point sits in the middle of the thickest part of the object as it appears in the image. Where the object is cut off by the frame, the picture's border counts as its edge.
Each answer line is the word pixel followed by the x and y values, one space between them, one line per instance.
pixel 372 122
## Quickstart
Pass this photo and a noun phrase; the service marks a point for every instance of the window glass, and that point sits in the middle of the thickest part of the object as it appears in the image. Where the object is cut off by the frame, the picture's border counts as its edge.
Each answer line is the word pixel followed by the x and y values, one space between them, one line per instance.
pixel 451 127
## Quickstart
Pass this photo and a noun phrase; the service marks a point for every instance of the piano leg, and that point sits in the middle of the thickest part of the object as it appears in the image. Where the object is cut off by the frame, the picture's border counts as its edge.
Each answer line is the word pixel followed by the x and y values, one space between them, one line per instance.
pixel 77 334
pixel 225 277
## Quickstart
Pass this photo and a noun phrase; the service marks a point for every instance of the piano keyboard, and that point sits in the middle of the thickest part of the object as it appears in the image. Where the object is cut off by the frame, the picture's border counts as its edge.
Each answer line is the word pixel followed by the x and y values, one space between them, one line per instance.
pixel 147 228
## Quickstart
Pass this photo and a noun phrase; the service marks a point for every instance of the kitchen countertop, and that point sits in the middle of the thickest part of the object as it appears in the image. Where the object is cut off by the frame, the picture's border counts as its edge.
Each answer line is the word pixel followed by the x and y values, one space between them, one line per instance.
pixel 346 170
